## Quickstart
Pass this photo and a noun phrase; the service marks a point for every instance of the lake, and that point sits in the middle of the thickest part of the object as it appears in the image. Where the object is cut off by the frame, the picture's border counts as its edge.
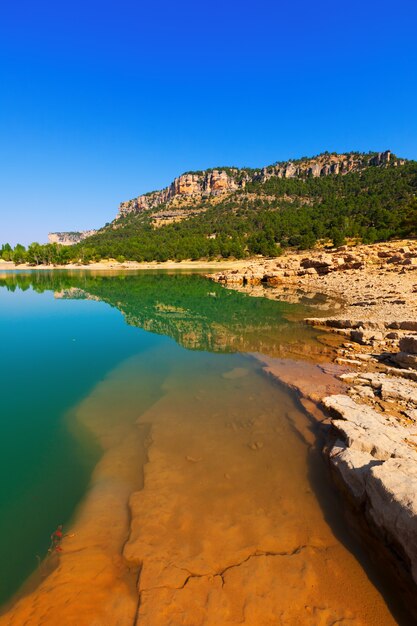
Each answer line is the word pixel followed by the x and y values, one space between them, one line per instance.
pixel 135 412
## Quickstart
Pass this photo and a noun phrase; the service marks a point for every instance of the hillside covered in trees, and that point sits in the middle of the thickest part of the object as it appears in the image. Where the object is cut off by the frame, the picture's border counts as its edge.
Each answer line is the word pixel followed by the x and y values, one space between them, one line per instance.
pixel 269 213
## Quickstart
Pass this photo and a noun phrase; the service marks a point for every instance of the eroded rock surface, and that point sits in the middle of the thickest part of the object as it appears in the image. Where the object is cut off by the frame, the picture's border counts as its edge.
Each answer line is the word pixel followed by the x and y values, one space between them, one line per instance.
pixel 376 458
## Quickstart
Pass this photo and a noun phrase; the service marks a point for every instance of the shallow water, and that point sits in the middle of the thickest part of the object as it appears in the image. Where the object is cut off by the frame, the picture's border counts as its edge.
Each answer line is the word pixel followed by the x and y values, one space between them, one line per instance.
pixel 230 485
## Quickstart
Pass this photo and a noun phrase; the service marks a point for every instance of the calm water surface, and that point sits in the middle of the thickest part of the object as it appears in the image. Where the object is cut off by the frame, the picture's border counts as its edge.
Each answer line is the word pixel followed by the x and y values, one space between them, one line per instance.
pixel 64 335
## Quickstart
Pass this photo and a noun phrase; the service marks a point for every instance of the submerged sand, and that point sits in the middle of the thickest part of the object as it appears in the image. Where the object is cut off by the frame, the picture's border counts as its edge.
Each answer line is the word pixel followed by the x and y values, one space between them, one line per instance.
pixel 202 512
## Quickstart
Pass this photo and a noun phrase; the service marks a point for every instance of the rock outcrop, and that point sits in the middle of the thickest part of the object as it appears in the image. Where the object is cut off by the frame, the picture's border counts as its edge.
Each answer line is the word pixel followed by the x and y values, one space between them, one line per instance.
pixel 374 450
pixel 375 456
pixel 197 186
pixel 299 269
pixel 70 238
pixel 190 186
pixel 325 164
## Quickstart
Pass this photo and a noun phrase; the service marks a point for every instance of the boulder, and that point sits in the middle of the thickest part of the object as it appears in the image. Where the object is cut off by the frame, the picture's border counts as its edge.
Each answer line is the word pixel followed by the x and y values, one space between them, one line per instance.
pixel 389 387
pixel 396 258
pixel 352 467
pixel 409 344
pixel 365 337
pixel 403 359
pixel 321 264
pixel 405 325
pixel 365 429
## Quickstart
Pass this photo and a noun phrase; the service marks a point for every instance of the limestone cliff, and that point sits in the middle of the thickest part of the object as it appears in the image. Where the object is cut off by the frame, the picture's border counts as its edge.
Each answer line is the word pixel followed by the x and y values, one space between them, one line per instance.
pixel 70 238
pixel 196 186
pixel 190 186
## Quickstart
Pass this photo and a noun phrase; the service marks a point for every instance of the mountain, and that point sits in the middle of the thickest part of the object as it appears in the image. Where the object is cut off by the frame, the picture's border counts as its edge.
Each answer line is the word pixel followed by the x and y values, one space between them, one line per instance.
pixel 197 186
pixel 237 212
pixel 231 212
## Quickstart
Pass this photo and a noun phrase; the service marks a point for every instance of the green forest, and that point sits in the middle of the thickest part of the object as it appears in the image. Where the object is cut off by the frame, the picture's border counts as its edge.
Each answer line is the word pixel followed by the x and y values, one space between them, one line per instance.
pixel 375 204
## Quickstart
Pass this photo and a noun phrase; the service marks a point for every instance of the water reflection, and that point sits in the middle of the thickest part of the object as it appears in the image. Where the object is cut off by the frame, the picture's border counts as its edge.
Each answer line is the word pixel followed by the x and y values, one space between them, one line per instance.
pixel 197 313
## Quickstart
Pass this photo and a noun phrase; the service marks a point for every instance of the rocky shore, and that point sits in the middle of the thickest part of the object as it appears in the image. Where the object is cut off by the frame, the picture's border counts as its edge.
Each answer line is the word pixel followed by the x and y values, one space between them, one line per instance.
pixel 372 438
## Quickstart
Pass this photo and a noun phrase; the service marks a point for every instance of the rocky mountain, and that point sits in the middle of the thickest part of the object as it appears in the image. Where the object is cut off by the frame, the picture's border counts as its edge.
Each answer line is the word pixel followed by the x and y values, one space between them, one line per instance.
pixel 193 187
pixel 230 212
pixel 70 238
pixel 188 186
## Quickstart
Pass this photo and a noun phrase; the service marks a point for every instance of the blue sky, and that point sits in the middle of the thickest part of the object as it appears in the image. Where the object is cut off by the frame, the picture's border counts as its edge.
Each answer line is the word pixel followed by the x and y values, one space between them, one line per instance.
pixel 102 101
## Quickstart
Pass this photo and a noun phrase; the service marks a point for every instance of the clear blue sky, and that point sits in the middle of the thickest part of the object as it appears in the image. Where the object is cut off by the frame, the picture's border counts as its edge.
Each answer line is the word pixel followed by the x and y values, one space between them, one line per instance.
pixel 103 100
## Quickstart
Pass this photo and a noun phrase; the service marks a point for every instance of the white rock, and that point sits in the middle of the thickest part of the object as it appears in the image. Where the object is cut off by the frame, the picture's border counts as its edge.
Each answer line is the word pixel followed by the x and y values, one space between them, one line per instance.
pixel 392 491
pixel 377 461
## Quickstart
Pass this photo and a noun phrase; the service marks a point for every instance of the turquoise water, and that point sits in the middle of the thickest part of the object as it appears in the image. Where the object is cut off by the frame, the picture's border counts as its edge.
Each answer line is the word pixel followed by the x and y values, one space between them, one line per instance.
pixel 107 347
pixel 52 353
pixel 60 335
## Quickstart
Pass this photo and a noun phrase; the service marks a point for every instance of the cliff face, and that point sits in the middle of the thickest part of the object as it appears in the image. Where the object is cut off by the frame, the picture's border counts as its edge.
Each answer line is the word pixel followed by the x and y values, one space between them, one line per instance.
pixel 325 165
pixel 192 186
pixel 71 238
pixel 196 186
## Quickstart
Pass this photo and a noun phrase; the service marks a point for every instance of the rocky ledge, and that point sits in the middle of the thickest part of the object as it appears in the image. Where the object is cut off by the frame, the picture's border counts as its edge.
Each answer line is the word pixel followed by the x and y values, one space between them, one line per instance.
pixel 374 454
pixel 372 443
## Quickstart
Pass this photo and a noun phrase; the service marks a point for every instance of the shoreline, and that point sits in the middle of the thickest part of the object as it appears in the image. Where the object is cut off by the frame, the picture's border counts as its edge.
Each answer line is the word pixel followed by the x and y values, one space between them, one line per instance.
pixel 129 265
pixel 371 445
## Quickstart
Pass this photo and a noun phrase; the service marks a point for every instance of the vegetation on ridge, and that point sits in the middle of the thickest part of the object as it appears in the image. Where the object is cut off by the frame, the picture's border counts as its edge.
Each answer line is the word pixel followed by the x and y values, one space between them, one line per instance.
pixel 374 204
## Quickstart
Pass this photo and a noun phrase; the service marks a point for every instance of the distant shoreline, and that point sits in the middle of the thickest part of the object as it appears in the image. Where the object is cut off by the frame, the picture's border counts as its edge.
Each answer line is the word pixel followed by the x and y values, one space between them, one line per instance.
pixel 132 265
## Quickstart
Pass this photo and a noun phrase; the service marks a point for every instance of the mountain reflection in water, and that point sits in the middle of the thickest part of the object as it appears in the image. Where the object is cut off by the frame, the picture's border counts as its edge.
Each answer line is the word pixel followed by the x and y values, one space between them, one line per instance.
pixel 197 313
